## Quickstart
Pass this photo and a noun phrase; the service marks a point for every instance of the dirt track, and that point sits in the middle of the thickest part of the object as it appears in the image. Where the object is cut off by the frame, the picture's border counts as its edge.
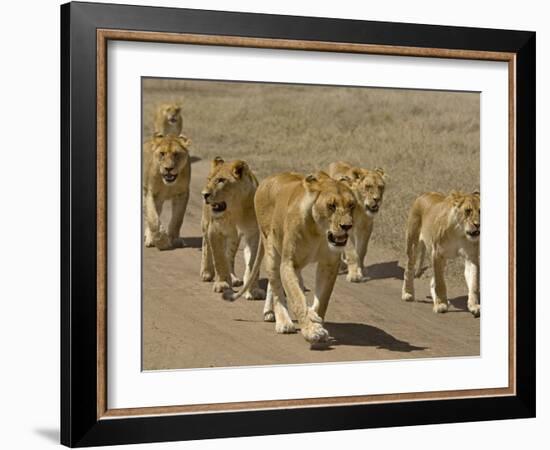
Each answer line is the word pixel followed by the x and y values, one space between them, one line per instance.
pixel 186 325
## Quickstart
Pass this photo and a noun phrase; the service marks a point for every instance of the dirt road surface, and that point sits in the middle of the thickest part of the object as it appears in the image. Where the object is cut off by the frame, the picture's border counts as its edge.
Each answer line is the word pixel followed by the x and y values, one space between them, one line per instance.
pixel 186 325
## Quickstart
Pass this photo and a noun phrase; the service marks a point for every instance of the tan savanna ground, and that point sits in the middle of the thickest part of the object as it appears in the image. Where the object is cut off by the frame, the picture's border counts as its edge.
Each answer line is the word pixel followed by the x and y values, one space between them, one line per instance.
pixel 425 140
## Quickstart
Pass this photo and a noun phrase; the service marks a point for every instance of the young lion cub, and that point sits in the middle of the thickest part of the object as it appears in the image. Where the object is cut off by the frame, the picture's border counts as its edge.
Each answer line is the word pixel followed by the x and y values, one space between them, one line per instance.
pixel 447 226
pixel 166 176
pixel 168 120
pixel 227 216
pixel 368 187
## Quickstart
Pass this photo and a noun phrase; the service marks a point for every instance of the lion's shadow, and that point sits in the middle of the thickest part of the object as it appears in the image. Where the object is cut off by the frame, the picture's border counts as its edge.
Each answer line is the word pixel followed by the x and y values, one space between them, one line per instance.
pixel 363 335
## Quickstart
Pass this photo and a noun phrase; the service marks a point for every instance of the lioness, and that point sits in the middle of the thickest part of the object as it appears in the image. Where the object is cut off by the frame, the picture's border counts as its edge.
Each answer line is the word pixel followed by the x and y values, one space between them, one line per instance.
pixel 166 176
pixel 447 226
pixel 368 187
pixel 303 220
pixel 227 216
pixel 168 120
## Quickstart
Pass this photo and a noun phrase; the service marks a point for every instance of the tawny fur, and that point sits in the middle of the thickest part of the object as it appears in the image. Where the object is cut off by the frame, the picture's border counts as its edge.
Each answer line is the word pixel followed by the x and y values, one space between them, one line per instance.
pixel 368 187
pixel 231 184
pixel 444 226
pixel 303 220
pixel 165 158
pixel 168 120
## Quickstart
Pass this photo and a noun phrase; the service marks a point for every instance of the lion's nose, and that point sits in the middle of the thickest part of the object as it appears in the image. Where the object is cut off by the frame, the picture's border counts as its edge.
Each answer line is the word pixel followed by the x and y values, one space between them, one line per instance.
pixel 206 195
pixel 169 169
pixel 345 226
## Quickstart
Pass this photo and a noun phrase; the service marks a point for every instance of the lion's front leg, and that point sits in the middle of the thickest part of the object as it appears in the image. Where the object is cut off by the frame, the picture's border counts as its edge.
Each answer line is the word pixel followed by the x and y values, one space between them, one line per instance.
pixel 154 235
pixel 222 278
pixel 471 273
pixel 325 278
pixel 355 274
pixel 356 255
pixel 310 322
pixel 232 246
pixel 407 292
pixel 438 287
pixel 275 303
pixel 269 315
pixel 179 206
pixel 251 242
pixel 207 265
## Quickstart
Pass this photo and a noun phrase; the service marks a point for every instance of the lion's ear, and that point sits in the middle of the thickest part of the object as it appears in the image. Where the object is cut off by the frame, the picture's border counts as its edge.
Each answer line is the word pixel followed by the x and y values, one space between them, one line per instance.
pixel 345 179
pixel 356 173
pixel 239 168
pixel 456 198
pixel 311 181
pixel 156 140
pixel 217 161
pixel 382 173
pixel 184 141
pixel 177 107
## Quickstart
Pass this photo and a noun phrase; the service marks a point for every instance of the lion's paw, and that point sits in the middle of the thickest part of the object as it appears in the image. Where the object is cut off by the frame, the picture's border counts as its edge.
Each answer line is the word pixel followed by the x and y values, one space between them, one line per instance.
pixel 355 277
pixel 475 310
pixel 163 241
pixel 314 333
pixel 149 241
pixel 221 286
pixel 269 316
pixel 407 297
pixel 285 328
pixel 207 275
pixel 441 308
pixel 236 281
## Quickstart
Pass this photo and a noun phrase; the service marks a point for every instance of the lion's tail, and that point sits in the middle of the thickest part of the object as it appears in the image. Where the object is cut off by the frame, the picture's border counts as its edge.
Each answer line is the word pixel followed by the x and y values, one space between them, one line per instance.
pixel 232 296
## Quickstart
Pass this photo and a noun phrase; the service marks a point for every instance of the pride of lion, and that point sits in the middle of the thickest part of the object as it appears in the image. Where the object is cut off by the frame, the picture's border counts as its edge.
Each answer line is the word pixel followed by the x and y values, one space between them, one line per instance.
pixel 290 220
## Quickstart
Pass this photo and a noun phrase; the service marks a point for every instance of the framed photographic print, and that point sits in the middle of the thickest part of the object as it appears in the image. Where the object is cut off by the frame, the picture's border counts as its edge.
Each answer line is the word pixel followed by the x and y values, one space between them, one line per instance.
pixel 272 224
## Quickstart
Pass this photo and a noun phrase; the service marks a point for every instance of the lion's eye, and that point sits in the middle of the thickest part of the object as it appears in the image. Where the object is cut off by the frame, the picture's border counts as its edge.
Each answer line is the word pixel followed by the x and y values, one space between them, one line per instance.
pixel 161 154
pixel 368 186
pixel 351 206
pixel 331 207
pixel 468 211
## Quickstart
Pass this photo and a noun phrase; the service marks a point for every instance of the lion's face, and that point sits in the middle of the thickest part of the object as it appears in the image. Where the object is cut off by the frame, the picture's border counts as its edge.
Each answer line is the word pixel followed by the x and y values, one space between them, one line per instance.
pixel 225 185
pixel 369 188
pixel 171 113
pixel 333 208
pixel 170 155
pixel 467 213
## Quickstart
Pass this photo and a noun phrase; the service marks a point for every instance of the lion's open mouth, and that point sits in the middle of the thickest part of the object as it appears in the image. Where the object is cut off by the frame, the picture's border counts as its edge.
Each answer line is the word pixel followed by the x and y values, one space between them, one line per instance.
pixel 473 233
pixel 337 240
pixel 219 207
pixel 169 177
pixel 372 209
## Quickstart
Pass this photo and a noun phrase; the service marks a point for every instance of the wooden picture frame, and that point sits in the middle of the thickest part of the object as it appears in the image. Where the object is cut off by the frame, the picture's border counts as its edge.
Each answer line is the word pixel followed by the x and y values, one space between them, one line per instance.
pixel 85 416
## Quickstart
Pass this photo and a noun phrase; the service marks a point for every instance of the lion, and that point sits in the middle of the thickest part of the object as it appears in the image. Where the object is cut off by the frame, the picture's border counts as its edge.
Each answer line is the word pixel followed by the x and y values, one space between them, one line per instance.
pixel 303 219
pixel 227 217
pixel 447 226
pixel 166 176
pixel 368 187
pixel 168 120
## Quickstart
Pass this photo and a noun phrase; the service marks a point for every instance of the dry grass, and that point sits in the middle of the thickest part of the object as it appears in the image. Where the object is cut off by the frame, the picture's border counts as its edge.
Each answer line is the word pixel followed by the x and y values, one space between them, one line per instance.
pixel 425 140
